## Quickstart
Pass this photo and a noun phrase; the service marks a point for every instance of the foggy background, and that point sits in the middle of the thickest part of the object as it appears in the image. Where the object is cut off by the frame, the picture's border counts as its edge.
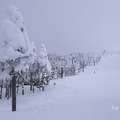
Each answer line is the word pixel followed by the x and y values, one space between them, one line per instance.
pixel 66 26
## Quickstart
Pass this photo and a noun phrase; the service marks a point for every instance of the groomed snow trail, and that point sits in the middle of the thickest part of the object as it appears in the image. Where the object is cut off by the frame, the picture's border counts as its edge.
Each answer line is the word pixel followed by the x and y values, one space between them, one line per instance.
pixel 87 96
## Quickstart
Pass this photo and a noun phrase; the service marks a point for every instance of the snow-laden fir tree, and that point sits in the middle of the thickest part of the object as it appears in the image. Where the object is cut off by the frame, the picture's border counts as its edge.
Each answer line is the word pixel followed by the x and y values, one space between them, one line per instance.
pixel 40 70
pixel 17 51
pixel 44 65
pixel 43 59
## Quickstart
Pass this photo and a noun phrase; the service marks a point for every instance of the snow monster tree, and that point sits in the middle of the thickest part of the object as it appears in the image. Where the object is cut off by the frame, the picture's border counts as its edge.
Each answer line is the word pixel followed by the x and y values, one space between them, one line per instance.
pixel 40 70
pixel 17 51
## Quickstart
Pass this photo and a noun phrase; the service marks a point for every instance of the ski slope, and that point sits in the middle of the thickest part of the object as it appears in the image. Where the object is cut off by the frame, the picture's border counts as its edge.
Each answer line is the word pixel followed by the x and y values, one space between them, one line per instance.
pixel 92 95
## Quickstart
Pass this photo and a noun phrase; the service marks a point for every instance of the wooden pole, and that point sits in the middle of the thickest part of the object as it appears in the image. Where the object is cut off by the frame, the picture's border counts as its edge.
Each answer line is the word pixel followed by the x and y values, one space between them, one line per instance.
pixel 13 93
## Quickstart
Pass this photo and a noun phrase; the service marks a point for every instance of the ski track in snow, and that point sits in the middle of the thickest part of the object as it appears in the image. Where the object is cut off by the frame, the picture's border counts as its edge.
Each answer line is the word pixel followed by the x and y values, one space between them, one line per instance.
pixel 86 96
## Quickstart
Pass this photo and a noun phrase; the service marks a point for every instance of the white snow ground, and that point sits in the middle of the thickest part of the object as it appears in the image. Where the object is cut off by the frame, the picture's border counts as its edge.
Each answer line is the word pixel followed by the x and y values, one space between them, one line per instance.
pixel 87 96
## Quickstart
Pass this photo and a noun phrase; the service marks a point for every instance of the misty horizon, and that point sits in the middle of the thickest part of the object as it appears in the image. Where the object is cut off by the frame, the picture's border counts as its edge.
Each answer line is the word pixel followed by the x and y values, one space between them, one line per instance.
pixel 66 27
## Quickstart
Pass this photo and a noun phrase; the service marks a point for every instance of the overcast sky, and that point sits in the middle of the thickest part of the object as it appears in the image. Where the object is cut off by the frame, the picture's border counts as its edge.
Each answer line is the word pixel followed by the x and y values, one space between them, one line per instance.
pixel 66 26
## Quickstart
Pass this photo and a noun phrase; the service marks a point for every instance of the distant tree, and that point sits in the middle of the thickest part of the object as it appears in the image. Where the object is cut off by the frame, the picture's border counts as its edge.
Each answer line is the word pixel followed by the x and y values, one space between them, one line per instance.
pixel 72 63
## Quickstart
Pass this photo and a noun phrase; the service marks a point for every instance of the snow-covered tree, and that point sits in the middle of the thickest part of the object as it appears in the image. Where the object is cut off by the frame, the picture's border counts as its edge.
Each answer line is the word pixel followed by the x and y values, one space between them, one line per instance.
pixel 43 59
pixel 17 51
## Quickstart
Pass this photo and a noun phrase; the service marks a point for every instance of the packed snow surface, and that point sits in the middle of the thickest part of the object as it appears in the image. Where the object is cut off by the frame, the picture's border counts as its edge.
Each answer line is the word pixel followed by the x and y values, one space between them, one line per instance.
pixel 92 95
